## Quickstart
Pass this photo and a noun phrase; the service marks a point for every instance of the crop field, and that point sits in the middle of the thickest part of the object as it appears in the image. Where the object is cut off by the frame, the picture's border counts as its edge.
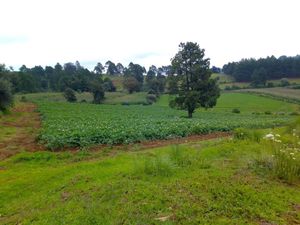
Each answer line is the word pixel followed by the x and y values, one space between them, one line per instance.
pixel 67 124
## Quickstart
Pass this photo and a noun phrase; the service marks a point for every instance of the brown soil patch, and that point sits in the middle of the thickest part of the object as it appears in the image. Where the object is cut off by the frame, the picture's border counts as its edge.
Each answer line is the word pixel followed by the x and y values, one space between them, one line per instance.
pixel 26 121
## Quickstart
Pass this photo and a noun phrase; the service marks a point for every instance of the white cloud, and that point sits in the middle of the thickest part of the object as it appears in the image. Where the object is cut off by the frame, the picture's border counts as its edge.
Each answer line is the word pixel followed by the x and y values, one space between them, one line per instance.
pixel 146 32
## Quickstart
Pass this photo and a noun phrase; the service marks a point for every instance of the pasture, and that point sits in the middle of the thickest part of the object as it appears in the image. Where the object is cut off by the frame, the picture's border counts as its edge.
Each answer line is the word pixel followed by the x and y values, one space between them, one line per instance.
pixel 281 92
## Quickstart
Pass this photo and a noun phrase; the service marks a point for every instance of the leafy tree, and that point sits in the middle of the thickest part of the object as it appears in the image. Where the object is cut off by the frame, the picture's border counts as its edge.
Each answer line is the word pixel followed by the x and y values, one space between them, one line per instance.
pixel 259 77
pixel 69 95
pixel 6 97
pixel 70 68
pixel 98 92
pixel 99 68
pixel 197 89
pixel 131 84
pixel 24 69
pixel 108 85
pixel 136 71
pixel 172 83
pixel 120 68
pixel 111 68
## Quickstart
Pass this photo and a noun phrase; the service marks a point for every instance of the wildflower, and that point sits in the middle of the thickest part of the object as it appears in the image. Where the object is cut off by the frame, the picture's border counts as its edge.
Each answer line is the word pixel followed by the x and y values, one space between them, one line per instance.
pixel 277 135
pixel 292 153
pixel 278 141
pixel 269 137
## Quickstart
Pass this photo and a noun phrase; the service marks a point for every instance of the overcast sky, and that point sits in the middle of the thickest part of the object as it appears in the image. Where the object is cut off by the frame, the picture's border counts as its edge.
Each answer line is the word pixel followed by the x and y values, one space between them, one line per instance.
pixel 43 32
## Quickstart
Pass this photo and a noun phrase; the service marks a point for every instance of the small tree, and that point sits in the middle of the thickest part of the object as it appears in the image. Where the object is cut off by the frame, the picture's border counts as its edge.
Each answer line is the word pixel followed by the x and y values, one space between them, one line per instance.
pixel 69 95
pixel 284 82
pixel 259 77
pixel 6 96
pixel 108 85
pixel 98 92
pixel 131 84
pixel 197 89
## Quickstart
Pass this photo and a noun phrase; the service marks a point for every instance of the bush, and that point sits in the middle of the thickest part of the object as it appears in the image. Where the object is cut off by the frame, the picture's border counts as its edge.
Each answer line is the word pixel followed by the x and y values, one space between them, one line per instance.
pixel 268 112
pixel 236 110
pixel 23 99
pixel 284 82
pixel 6 96
pixel 98 93
pixel 151 98
pixel 270 84
pixel 69 95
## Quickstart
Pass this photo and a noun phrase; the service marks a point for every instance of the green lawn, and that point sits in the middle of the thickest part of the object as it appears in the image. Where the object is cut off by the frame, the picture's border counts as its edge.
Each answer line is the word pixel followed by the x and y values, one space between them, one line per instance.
pixel 212 182
pixel 247 103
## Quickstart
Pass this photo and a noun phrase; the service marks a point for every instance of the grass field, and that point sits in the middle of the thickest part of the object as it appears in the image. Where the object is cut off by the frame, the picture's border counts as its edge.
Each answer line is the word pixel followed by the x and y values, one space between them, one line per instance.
pixel 213 182
pixel 110 97
pixel 289 93
pixel 228 81
pixel 247 103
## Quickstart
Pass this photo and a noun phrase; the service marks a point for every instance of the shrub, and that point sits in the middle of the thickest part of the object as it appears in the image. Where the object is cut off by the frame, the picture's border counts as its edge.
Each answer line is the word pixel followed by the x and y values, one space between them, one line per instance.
pixel 6 96
pixel 23 99
pixel 69 95
pixel 151 98
pixel 284 82
pixel 98 92
pixel 235 110
pixel 270 84
pixel 268 112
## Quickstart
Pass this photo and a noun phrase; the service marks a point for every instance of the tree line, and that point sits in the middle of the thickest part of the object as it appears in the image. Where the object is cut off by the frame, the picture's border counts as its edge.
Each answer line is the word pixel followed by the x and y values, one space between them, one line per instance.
pixel 78 78
pixel 263 69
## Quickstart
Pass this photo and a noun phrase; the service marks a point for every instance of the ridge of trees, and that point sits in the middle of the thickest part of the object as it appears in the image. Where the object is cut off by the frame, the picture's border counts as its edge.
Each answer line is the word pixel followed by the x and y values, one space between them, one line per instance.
pixel 260 70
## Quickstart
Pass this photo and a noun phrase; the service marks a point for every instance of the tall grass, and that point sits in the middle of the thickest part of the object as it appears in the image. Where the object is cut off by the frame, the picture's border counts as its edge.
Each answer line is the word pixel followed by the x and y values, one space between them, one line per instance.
pixel 167 163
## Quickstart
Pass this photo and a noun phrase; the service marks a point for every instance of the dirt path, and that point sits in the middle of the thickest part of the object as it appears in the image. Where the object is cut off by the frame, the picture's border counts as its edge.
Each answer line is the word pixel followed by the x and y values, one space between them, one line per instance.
pixel 19 130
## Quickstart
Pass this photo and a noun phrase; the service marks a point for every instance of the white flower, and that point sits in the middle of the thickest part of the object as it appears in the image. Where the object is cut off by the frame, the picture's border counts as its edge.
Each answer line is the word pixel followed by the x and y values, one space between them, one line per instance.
pixel 269 136
pixel 292 153
pixel 277 135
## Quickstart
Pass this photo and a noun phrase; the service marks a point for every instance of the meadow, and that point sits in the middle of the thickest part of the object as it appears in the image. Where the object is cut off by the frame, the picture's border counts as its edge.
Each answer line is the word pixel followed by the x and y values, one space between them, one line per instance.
pixel 281 92
pixel 81 124
pixel 226 181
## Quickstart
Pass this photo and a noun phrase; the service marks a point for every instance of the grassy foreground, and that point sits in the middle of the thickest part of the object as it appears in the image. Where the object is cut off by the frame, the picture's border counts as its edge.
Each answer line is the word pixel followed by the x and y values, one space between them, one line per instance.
pixel 229 181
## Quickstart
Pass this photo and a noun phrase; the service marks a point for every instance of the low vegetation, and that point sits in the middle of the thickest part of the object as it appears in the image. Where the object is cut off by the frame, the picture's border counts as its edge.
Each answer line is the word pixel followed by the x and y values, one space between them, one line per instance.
pixel 238 180
pixel 67 124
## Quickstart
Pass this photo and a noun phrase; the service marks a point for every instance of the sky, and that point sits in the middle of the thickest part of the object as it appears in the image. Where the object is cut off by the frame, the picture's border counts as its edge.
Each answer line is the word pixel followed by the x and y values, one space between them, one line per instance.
pixel 148 32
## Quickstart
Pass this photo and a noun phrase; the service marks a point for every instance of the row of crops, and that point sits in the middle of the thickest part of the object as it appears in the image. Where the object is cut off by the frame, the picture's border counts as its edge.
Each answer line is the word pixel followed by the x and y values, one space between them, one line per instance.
pixel 67 124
